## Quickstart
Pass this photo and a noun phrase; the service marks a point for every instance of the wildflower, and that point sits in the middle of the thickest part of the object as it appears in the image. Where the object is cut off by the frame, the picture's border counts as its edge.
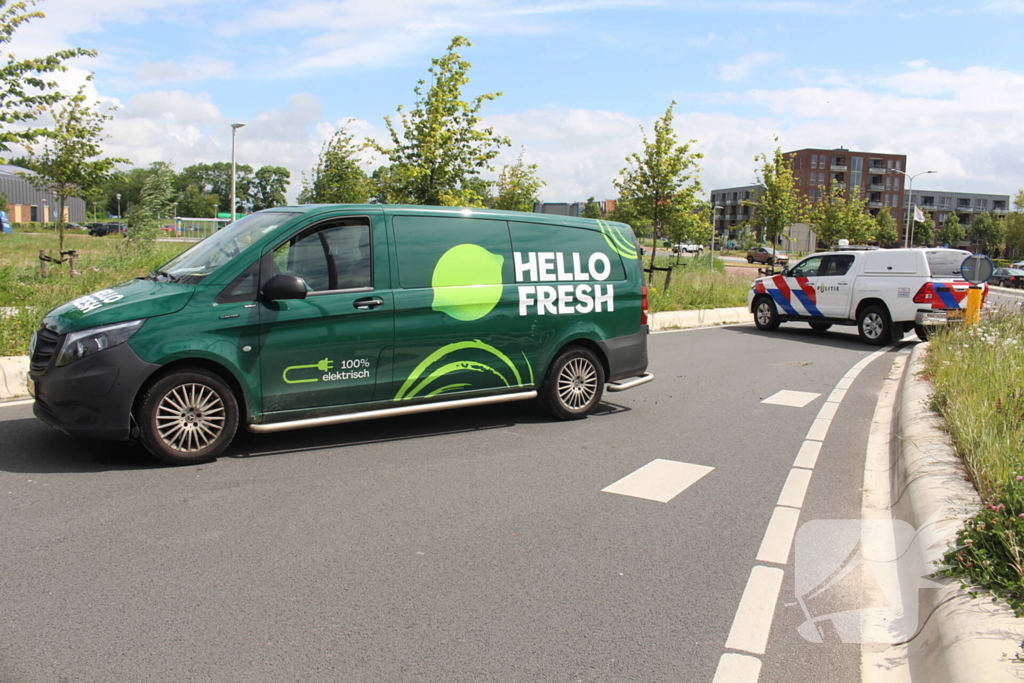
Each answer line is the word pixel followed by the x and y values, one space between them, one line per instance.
pixel 1020 478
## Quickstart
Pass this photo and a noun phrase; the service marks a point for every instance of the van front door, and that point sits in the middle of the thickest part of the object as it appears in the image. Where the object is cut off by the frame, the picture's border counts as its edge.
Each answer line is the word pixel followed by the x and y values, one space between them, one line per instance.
pixel 332 347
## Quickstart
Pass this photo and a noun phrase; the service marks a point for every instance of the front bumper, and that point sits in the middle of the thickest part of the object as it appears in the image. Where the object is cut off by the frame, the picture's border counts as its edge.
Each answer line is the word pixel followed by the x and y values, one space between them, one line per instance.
pixel 939 316
pixel 92 396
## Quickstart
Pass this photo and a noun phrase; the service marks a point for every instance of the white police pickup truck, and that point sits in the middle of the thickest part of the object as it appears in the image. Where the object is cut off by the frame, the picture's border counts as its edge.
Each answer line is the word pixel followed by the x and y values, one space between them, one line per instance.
pixel 885 292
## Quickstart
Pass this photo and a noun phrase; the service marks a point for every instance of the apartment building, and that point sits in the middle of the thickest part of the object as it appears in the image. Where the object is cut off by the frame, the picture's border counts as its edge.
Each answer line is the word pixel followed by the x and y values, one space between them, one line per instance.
pixel 966 205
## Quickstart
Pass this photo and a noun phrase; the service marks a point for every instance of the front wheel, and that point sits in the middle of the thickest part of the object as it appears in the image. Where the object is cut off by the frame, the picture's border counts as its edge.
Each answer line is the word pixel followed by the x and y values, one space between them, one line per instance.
pixel 766 315
pixel 750 259
pixel 187 417
pixel 874 325
pixel 573 385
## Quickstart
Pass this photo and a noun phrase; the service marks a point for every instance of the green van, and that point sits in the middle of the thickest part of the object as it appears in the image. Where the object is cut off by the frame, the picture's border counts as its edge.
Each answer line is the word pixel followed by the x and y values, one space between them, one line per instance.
pixel 318 315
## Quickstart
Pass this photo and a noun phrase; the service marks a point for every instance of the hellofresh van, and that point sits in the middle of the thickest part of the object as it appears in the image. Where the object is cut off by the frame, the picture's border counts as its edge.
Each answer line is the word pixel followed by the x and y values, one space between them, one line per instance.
pixel 319 315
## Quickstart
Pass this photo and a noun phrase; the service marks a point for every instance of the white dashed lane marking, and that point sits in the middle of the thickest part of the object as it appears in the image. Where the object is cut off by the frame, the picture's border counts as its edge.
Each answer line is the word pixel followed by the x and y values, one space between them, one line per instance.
pixel 659 480
pixel 792 399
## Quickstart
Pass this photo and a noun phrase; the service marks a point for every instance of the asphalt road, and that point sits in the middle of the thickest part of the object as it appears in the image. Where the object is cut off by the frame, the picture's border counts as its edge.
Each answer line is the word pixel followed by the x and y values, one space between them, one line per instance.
pixel 461 546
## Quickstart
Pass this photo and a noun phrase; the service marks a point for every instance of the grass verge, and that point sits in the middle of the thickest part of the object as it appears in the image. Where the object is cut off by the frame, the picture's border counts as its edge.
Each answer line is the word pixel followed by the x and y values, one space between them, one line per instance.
pixel 978 375
pixel 25 297
pixel 697 285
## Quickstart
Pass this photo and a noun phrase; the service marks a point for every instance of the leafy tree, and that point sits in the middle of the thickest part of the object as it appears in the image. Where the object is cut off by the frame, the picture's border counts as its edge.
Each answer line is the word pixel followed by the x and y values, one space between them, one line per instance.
pixel 4 202
pixel 592 209
pixel 924 231
pixel 336 178
pixel 777 205
pixel 659 188
pixel 885 230
pixel 72 160
pixel 25 91
pixel 388 185
pixel 154 204
pixel 268 188
pixel 439 144
pixel 215 179
pixel 518 186
pixel 1015 233
pixel 192 202
pixel 988 233
pixel 951 233
pixel 477 192
pixel 837 216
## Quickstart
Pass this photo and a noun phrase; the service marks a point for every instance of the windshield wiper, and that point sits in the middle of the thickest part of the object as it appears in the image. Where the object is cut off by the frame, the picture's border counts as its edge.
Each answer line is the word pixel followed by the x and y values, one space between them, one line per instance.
pixel 164 274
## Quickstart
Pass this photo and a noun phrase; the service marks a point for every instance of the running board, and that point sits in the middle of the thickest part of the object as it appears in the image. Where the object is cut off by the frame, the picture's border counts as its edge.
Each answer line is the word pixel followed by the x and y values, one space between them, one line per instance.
pixel 389 412
pixel 642 379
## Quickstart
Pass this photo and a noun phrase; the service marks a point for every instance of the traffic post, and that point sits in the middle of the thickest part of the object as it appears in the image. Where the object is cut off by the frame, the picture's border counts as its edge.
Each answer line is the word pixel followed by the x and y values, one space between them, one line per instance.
pixel 976 269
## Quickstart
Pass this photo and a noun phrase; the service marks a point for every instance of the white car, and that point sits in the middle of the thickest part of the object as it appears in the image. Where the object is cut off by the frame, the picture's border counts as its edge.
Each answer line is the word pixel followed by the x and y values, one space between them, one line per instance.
pixel 687 248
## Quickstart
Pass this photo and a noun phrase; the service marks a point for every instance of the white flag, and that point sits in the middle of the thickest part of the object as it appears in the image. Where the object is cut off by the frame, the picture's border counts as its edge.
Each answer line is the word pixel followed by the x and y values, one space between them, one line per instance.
pixel 918 214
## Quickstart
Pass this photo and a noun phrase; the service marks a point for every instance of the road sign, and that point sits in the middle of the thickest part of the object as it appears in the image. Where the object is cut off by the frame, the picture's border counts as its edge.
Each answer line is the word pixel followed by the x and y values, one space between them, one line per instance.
pixel 976 268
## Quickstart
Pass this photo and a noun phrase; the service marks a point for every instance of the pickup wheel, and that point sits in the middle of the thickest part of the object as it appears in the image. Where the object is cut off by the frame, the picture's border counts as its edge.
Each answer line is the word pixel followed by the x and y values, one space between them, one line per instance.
pixel 820 327
pixel 766 315
pixel 923 333
pixel 874 325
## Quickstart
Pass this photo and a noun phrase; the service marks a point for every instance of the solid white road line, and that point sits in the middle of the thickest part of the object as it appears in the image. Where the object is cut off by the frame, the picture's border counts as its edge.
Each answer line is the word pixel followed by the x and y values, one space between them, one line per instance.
pixel 733 668
pixel 659 480
pixel 778 539
pixel 808 455
pixel 24 402
pixel 754 616
pixel 796 488
pixel 792 399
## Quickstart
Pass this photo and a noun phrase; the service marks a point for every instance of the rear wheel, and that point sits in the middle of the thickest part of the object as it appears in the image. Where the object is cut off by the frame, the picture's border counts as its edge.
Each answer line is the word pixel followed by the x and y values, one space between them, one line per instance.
pixel 820 327
pixel 750 259
pixel 573 385
pixel 923 333
pixel 874 325
pixel 766 315
pixel 187 417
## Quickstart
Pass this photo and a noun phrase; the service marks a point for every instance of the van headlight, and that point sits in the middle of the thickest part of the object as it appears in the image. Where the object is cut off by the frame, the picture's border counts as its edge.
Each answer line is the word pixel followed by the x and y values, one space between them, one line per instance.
pixel 87 342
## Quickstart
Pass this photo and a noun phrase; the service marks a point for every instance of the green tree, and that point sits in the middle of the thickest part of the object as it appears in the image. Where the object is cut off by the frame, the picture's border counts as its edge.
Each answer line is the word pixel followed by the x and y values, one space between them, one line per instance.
pixel 25 90
pixel 592 209
pixel 951 233
pixel 1015 233
pixel 659 188
pixel 72 160
pixel 336 178
pixel 837 216
pixel 885 229
pixel 777 205
pixel 924 231
pixel 518 186
pixel 439 144
pixel 269 185
pixel 154 205
pixel 215 179
pixel 192 202
pixel 989 233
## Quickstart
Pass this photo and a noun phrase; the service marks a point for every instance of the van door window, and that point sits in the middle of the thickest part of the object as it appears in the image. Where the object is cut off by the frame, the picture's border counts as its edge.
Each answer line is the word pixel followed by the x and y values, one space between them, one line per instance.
pixel 334 257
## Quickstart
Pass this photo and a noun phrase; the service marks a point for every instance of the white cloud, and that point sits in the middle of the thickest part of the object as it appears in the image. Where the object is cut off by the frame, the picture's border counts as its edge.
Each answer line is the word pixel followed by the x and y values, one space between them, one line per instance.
pixel 198 69
pixel 740 69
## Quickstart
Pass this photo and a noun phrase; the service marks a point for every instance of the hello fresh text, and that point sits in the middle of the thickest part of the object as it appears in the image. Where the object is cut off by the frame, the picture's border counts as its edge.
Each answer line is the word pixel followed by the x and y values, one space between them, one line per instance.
pixel 556 266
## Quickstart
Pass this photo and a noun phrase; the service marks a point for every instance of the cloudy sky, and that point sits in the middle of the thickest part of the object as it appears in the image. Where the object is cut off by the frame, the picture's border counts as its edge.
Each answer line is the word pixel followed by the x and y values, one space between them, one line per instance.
pixel 942 83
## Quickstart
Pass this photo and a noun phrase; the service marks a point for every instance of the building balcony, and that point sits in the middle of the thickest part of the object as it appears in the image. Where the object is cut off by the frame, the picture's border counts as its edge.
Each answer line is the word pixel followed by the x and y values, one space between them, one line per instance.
pixel 928 207
pixel 876 170
pixel 874 204
pixel 875 187
pixel 838 168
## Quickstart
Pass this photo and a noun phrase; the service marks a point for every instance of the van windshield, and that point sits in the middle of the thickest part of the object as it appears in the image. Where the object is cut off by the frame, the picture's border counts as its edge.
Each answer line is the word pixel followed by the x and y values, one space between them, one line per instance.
pixel 945 263
pixel 192 266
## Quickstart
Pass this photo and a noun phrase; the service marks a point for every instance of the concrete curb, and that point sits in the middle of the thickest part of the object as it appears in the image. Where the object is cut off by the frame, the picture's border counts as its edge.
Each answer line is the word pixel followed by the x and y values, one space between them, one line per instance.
pixel 13 377
pixel 667 320
pixel 964 639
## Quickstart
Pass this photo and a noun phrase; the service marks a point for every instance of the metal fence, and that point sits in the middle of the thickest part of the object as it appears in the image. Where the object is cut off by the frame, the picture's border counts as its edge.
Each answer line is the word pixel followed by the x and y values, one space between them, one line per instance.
pixel 199 228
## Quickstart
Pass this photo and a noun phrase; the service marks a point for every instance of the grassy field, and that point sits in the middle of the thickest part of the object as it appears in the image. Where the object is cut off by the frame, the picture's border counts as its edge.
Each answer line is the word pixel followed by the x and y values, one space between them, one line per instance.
pixel 978 374
pixel 695 285
pixel 102 261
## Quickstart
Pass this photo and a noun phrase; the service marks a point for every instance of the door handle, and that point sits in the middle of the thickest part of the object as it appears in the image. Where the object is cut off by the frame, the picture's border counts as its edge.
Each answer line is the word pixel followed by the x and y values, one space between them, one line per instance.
pixel 368 304
pixel 842 283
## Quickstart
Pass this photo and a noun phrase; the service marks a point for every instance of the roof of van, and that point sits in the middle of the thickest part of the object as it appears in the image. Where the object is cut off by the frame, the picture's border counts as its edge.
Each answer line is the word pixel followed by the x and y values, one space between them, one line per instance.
pixel 410 209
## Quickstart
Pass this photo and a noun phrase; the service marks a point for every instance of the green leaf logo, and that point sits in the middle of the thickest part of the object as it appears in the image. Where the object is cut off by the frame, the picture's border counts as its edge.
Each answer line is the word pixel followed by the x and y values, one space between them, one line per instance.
pixel 467 282
pixel 439 364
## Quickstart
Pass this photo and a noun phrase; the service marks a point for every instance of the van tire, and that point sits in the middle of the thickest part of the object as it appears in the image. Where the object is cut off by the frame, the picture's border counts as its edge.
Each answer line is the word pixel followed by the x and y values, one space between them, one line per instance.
pixel 766 315
pixel 198 412
pixel 874 325
pixel 820 327
pixel 573 385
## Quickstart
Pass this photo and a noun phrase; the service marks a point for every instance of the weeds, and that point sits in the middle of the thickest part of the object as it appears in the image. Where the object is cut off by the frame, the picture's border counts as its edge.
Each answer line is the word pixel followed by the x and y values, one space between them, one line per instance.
pixel 697 285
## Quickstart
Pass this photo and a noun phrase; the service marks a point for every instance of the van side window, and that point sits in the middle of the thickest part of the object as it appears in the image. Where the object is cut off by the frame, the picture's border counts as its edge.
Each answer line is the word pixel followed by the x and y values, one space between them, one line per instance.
pixel 807 267
pixel 243 288
pixel 336 256
pixel 837 265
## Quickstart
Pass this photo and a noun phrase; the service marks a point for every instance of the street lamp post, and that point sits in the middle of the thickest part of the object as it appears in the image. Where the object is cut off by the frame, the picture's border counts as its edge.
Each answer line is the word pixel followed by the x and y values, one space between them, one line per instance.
pixel 234 129
pixel 714 212
pixel 118 206
pixel 908 226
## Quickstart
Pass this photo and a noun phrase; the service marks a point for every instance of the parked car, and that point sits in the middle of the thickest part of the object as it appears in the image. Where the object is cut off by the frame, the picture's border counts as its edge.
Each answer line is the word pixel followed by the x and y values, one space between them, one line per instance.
pixel 1008 277
pixel 885 293
pixel 767 255
pixel 104 229
pixel 75 226
pixel 687 248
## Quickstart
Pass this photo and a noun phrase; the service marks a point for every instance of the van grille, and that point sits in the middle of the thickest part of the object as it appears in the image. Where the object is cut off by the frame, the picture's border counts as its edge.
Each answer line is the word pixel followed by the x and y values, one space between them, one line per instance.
pixel 47 343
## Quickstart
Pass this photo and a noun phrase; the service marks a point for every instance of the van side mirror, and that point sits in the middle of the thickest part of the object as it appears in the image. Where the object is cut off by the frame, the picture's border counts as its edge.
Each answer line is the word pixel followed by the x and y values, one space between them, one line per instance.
pixel 281 287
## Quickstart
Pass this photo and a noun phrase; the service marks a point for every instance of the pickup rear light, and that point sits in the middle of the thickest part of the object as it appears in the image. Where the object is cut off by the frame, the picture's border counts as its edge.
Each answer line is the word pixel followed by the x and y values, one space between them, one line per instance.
pixel 925 295
pixel 643 306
